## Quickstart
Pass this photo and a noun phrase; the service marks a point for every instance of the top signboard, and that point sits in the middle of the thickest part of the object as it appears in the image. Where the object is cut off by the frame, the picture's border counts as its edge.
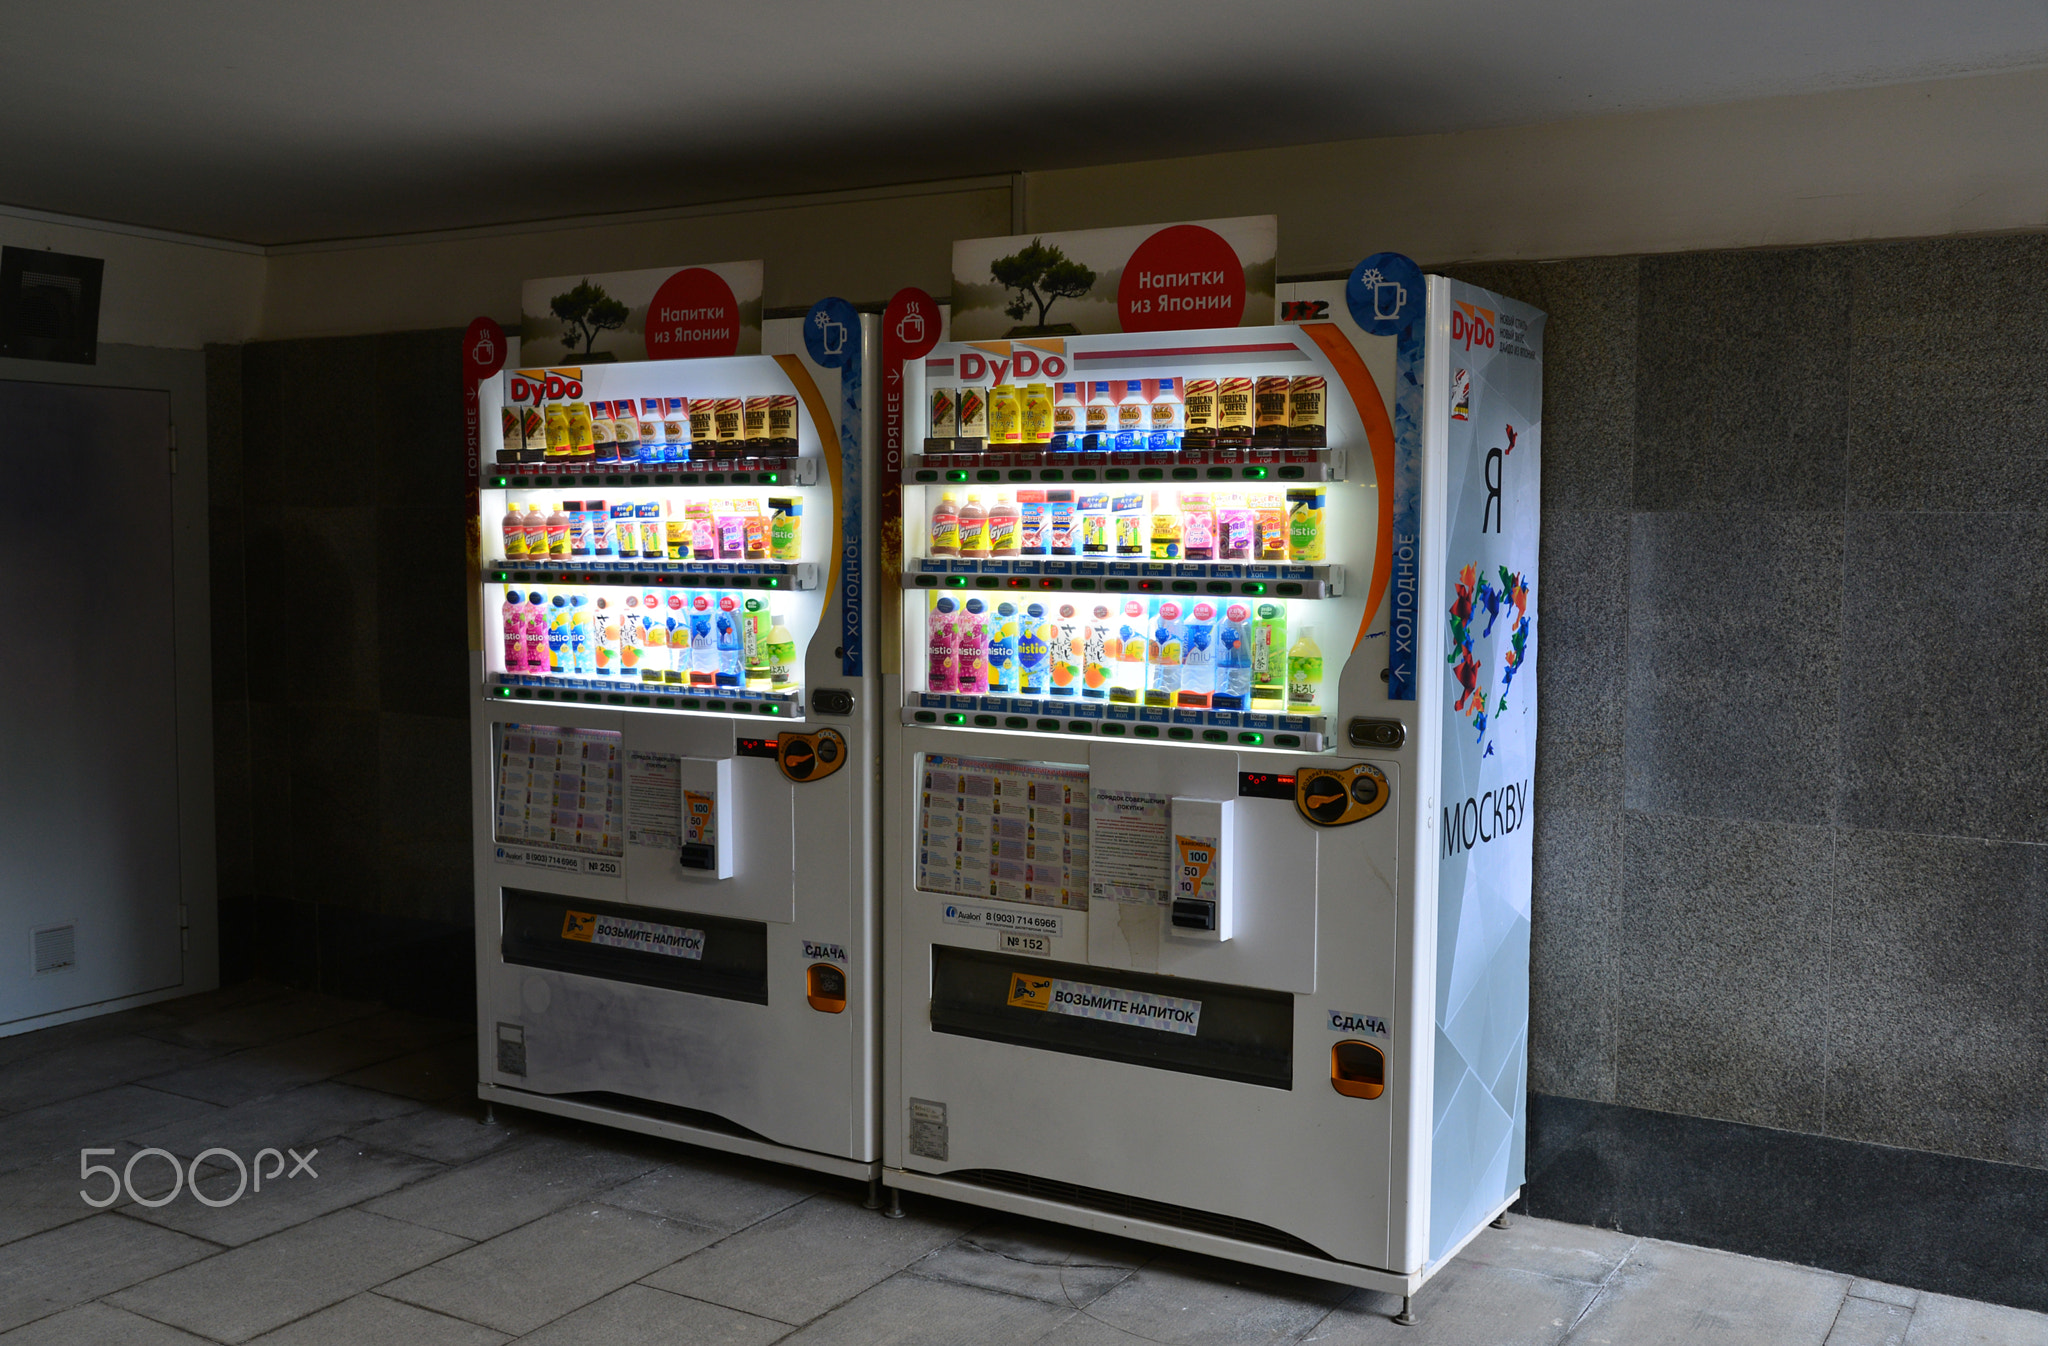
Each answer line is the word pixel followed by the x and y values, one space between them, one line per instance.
pixel 658 314
pixel 1145 278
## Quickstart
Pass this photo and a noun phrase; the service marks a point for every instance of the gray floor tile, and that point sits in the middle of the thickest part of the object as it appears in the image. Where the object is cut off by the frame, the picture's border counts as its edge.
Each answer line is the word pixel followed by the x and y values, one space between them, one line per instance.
pixel 371 1320
pixel 1571 1252
pixel 1723 973
pixel 538 1272
pixel 1885 1294
pixel 519 1183
pixel 60 1130
pixel 909 1311
pixel 347 1173
pixel 74 1036
pixel 1464 1304
pixel 452 1134
pixel 270 1019
pixel 640 1315
pixel 1197 1302
pixel 721 1194
pixel 1666 1293
pixel 61 1267
pixel 442 1072
pixel 299 1117
pixel 1735 658
pixel 1865 1322
pixel 273 1281
pixel 97 1325
pixel 53 1076
pixel 794 1266
pixel 1942 1321
pixel 320 1055
pixel 1081 1330
pixel 1036 1261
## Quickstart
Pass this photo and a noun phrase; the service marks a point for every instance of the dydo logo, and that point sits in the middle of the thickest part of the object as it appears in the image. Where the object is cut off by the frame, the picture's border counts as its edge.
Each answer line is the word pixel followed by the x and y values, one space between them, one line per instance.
pixel 1471 325
pixel 563 385
pixel 1019 366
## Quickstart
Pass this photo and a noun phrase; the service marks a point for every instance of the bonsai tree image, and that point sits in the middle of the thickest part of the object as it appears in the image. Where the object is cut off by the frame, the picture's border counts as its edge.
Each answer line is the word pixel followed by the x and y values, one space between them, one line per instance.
pixel 586 313
pixel 1042 276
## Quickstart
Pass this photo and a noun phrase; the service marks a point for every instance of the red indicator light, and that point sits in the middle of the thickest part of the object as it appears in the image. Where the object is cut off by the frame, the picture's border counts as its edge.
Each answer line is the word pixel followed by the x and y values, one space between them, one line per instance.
pixel 1045 584
pixel 1284 780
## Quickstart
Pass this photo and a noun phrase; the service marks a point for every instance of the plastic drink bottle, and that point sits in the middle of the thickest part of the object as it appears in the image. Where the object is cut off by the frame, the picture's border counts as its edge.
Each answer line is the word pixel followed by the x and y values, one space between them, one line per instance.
pixel 579 527
pixel 561 658
pixel 1128 522
pixel 1098 664
pixel 1197 657
pixel 1163 651
pixel 1269 657
pixel 781 654
pixel 945 529
pixel 632 639
pixel 604 633
pixel 579 635
pixel 513 614
pixel 1065 654
pixel 1033 650
pixel 536 533
pixel 1304 523
pixel 1133 417
pixel 754 644
pixel 626 531
pixel 941 647
pixel 599 519
pixel 973 529
pixel 1129 682
pixel 1233 658
pixel 1165 431
pixel 677 624
pixel 726 634
pixel 558 534
pixel 1098 417
pixel 651 518
pixel 1004 523
pixel 703 641
pixel 970 660
pixel 1304 674
pixel 533 633
pixel 514 526
pixel 1002 649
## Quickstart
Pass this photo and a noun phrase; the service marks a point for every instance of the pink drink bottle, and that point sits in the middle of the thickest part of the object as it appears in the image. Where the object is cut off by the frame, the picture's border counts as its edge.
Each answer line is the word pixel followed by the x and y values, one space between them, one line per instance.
pixel 513 615
pixel 942 647
pixel 536 632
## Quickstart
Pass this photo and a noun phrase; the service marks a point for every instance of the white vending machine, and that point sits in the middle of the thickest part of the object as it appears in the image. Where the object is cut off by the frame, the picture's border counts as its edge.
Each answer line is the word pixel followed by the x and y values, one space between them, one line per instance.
pixel 1207 817
pixel 674 750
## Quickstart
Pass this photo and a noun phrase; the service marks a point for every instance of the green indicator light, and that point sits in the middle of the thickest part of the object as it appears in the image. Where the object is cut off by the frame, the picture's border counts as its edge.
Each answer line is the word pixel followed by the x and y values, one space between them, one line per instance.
pixel 954 717
pixel 1255 588
pixel 1254 473
pixel 497 481
pixel 1253 739
pixel 985 721
pixel 924 717
pixel 773 583
pixel 1146 731
pixel 504 691
pixel 1016 722
pixel 956 475
pixel 1215 736
pixel 1179 732
pixel 1287 740
pixel 771 477
pixel 957 581
pixel 773 710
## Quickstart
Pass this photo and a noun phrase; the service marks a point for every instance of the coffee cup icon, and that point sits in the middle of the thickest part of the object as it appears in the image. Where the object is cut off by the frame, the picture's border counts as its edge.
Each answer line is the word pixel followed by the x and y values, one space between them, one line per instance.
pixel 910 327
pixel 832 334
pixel 1387 298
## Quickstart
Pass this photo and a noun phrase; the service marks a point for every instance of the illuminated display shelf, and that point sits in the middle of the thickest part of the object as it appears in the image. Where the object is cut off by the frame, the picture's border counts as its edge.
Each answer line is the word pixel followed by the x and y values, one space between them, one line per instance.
pixel 787 704
pixel 784 575
pixel 553 476
pixel 1250 579
pixel 1001 467
pixel 1116 719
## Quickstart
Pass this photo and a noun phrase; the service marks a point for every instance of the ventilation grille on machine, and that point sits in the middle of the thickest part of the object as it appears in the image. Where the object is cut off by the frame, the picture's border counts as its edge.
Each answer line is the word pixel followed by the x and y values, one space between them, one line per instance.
pixel 49 306
pixel 1138 1208
pixel 55 948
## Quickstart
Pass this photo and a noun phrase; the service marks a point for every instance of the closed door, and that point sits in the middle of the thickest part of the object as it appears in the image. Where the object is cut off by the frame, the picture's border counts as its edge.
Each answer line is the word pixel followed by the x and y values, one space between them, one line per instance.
pixel 89 903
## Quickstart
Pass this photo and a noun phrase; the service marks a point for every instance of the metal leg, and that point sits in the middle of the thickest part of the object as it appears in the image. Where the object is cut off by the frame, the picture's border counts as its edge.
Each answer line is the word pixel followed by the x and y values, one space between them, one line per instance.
pixel 490 1115
pixel 1501 1221
pixel 895 1211
pixel 1406 1317
pixel 874 1201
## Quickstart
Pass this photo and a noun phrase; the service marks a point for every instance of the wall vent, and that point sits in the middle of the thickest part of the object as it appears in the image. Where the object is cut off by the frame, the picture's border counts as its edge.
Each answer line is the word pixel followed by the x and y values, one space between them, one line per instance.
pixel 56 948
pixel 49 305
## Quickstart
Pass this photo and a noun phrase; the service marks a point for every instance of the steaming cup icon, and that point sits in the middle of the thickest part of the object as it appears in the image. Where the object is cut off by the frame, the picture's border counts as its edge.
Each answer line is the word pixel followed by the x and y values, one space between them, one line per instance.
pixel 910 328
pixel 832 334
pixel 486 349
pixel 1387 298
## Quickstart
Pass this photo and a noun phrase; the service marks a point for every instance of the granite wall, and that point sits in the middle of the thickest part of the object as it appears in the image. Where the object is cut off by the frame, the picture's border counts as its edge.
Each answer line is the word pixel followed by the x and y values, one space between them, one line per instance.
pixel 1792 846
pixel 340 667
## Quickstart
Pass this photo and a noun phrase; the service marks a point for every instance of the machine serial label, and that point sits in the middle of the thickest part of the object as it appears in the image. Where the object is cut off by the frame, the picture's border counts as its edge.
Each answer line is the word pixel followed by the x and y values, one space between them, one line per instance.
pixel 1036 945
pixel 1343 1022
pixel 1139 1009
pixel 617 932
pixel 556 862
pixel 991 918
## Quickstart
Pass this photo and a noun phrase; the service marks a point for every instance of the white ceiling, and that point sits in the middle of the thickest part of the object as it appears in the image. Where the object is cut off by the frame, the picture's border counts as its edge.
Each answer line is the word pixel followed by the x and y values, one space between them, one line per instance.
pixel 277 122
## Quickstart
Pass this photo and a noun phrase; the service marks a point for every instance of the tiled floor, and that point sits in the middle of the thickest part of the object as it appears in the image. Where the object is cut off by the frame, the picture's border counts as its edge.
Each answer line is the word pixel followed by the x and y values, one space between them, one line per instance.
pixel 425 1226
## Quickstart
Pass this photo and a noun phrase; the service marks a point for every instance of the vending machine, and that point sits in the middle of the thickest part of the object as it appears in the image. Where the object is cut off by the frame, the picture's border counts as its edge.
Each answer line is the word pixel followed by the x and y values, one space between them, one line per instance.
pixel 1207 817
pixel 674 749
